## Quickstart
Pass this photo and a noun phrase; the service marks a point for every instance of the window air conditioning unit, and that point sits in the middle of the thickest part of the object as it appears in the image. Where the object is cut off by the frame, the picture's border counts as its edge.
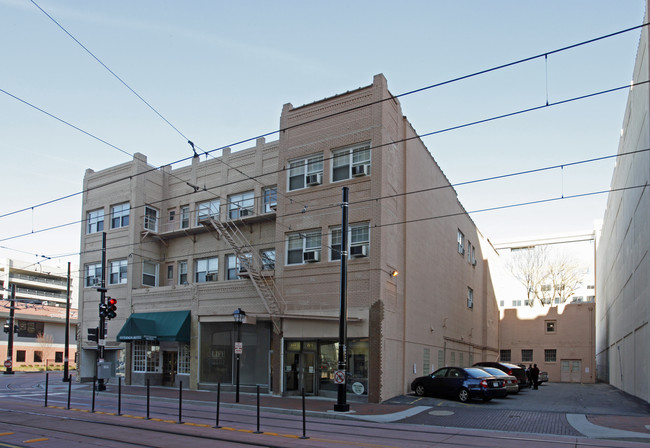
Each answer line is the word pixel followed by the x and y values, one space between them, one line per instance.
pixel 273 207
pixel 311 256
pixel 359 250
pixel 315 179
pixel 245 212
pixel 360 170
pixel 210 277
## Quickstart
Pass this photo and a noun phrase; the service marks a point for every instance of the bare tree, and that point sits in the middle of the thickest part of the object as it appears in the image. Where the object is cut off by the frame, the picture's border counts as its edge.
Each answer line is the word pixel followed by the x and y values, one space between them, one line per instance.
pixel 547 275
pixel 46 343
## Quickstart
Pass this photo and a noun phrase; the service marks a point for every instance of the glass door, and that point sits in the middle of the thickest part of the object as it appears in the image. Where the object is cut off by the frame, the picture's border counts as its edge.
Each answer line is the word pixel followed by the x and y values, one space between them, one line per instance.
pixel 299 371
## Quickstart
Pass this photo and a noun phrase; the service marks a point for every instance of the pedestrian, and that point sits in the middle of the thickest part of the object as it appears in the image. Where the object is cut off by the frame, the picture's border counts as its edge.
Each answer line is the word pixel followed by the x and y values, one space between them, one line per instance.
pixel 530 366
pixel 534 376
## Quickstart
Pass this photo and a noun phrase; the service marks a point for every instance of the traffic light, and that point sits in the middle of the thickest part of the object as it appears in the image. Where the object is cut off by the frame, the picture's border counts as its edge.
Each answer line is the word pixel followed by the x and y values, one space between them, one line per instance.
pixel 93 334
pixel 103 310
pixel 111 311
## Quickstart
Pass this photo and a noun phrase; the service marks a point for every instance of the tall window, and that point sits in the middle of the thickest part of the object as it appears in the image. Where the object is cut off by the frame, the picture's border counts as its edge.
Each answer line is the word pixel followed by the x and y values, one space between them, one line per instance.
pixel 302 171
pixel 118 272
pixel 184 359
pixel 149 273
pixel 182 272
pixel 93 275
pixel 527 355
pixel 241 205
pixel 208 209
pixel 268 259
pixel 470 298
pixel 505 356
pixel 358 235
pixel 95 221
pixel 550 355
pixel 270 199
pixel 300 243
pixel 235 266
pixel 146 357
pixel 350 162
pixel 185 216
pixel 151 219
pixel 461 242
pixel 206 270
pixel 120 215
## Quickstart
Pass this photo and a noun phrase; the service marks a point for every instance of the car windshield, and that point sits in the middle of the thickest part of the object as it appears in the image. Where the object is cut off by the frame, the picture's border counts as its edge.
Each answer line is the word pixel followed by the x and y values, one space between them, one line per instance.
pixel 477 373
pixel 493 371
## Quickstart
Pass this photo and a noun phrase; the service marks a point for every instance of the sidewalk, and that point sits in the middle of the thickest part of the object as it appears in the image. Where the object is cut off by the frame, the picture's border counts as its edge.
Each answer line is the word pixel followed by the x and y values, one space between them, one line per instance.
pixel 615 427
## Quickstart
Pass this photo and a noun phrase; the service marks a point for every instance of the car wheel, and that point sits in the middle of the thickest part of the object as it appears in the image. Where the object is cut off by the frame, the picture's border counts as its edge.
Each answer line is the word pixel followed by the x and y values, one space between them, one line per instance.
pixel 463 395
pixel 419 390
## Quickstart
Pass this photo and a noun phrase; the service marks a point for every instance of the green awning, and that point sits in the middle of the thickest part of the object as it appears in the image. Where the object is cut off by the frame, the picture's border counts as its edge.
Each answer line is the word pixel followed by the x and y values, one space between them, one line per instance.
pixel 163 326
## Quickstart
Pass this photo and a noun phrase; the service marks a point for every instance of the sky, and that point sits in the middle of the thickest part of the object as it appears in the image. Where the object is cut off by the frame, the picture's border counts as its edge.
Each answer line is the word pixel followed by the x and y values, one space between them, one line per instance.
pixel 219 72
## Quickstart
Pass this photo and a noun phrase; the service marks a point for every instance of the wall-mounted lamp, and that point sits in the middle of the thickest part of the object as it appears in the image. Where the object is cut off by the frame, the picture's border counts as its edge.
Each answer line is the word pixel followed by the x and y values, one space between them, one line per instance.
pixel 395 273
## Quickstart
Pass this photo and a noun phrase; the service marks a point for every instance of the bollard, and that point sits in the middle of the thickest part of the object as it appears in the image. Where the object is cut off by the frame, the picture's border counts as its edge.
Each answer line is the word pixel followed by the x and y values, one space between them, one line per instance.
pixel 47 379
pixel 94 381
pixel 304 420
pixel 69 390
pixel 216 423
pixel 180 401
pixel 119 395
pixel 258 411
pixel 148 395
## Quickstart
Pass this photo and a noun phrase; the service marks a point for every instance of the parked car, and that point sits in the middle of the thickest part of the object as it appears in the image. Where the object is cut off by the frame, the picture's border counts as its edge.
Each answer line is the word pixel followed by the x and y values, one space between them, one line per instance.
pixel 543 377
pixel 510 369
pixel 510 381
pixel 460 383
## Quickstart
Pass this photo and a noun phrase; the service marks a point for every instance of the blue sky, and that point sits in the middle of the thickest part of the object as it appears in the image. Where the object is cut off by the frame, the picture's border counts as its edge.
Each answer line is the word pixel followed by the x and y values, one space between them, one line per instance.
pixel 221 71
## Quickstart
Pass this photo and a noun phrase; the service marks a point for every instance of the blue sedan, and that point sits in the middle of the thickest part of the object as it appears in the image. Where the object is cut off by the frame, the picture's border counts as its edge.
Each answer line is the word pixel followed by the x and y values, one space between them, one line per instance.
pixel 461 383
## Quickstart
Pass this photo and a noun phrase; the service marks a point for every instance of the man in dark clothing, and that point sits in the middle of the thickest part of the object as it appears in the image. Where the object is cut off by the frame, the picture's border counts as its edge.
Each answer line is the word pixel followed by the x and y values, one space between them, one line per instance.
pixel 534 376
pixel 530 383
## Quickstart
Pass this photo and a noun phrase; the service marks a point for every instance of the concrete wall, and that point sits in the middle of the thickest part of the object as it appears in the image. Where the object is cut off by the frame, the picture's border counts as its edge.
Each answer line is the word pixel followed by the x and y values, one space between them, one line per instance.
pixel 622 280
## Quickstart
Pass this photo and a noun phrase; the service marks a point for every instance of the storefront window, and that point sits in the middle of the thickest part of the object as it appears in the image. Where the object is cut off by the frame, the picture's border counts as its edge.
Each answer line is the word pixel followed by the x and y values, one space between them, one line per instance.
pixel 357 378
pixel 217 357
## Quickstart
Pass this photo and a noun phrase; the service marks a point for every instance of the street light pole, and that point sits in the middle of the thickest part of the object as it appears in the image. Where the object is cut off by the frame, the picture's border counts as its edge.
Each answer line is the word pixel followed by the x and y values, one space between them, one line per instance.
pixel 341 398
pixel 10 335
pixel 239 317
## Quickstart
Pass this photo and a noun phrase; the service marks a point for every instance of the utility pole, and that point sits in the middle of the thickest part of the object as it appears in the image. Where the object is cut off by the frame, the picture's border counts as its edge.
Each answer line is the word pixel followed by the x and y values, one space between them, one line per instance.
pixel 341 375
pixel 66 353
pixel 101 342
pixel 10 335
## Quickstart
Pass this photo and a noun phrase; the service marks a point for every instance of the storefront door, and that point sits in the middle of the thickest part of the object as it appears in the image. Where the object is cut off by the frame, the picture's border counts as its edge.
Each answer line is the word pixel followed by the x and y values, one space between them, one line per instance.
pixel 300 372
pixel 170 362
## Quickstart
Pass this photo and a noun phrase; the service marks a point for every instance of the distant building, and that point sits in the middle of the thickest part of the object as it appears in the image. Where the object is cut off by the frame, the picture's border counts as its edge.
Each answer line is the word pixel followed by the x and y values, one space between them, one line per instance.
pixel 261 229
pixel 623 251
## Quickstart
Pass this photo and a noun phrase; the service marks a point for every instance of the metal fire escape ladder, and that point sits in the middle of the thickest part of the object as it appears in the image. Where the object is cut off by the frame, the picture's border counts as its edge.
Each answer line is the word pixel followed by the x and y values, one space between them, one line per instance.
pixel 250 263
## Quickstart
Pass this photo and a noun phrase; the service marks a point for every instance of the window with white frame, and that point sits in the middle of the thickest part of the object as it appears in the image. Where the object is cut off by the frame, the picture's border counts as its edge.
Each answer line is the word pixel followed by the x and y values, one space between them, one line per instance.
pixel 358 235
pixel 516 302
pixel 270 196
pixel 268 259
pixel 182 272
pixel 471 253
pixel 118 272
pixel 93 276
pixel 206 270
pixel 302 171
pixel 120 215
pixel 95 221
pixel 149 273
pixel 300 243
pixel 207 209
pixel 184 359
pixel 470 298
pixel 185 216
pixel 349 162
pixel 150 218
pixel 146 356
pixel 241 204
pixel 461 242
pixel 550 355
pixel 235 265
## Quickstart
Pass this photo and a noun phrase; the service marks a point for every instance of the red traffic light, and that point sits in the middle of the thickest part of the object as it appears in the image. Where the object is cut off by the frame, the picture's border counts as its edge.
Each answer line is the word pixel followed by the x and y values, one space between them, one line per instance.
pixel 112 308
pixel 112 302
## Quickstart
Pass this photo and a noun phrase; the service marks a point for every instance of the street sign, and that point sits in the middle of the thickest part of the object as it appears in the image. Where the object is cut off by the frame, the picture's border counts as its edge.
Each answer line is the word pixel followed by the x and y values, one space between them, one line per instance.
pixel 339 377
pixel 239 348
pixel 8 364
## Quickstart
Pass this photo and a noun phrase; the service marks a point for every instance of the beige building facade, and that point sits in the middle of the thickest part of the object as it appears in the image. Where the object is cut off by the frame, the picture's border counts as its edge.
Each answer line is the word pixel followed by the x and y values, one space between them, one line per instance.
pixel 623 269
pixel 259 230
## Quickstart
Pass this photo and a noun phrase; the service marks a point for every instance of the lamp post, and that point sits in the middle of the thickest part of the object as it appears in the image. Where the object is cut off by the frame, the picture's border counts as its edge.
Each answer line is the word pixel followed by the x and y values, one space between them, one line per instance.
pixel 239 317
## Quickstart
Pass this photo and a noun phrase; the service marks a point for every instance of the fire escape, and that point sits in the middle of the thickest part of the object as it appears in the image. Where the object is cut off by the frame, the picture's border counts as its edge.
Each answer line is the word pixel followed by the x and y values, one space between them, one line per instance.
pixel 251 265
